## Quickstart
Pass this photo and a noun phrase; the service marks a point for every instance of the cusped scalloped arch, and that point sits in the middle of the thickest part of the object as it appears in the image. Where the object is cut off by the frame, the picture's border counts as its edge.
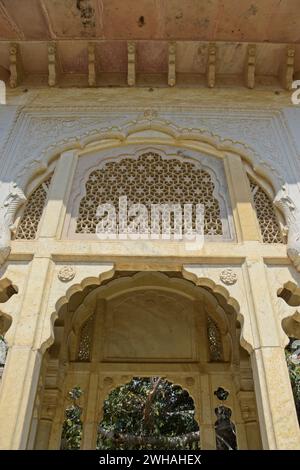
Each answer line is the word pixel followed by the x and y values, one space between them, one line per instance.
pixel 154 131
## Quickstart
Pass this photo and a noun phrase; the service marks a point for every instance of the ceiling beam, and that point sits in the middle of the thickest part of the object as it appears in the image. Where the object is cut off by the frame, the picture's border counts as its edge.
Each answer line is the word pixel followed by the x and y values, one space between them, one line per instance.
pixel 92 64
pixel 250 66
pixel 52 64
pixel 286 74
pixel 211 65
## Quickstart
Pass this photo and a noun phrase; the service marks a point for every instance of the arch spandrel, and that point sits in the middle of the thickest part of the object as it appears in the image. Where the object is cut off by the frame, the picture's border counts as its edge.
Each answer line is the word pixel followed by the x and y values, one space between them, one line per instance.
pixel 155 131
pixel 235 293
pixel 62 288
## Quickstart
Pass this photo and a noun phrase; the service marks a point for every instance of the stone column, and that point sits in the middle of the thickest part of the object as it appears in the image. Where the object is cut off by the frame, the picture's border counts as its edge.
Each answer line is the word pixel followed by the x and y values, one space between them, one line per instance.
pixel 262 333
pixel 22 370
pixel 43 434
pixel 18 388
pixel 244 213
pixel 90 422
pixel 207 426
pixel 21 374
pixel 277 414
pixel 53 217
pixel 57 424
pixel 47 415
pixel 250 419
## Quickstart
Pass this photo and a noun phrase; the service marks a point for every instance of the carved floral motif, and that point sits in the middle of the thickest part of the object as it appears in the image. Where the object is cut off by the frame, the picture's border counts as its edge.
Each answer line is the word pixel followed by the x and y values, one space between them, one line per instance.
pixel 66 273
pixel 228 277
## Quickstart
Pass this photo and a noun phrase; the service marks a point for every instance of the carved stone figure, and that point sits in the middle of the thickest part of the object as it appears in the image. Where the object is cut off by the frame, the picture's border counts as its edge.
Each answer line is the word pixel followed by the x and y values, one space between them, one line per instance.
pixel 8 210
pixel 292 215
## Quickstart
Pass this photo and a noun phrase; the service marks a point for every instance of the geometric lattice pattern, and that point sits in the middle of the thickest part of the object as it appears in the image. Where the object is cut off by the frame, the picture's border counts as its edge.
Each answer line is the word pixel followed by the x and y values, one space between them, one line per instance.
pixel 147 180
pixel 84 350
pixel 266 215
pixel 28 226
pixel 214 341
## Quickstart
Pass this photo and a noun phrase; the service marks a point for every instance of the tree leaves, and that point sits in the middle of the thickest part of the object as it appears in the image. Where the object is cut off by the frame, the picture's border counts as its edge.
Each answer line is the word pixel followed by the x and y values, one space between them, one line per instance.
pixel 292 352
pixel 148 413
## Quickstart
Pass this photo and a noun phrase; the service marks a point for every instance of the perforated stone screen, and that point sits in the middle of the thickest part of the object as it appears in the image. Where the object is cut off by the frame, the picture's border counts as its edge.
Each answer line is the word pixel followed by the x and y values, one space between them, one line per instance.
pixel 266 215
pixel 28 226
pixel 84 350
pixel 214 341
pixel 147 180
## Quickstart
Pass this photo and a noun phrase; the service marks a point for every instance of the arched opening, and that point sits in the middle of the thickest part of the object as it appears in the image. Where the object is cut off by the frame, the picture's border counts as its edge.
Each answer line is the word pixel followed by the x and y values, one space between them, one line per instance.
pixel 143 325
pixel 148 413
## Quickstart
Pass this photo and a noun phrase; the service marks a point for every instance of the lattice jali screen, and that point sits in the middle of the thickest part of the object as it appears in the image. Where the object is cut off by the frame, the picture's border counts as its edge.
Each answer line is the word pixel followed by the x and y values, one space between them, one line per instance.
pixel 28 226
pixel 214 341
pixel 85 340
pixel 266 215
pixel 148 180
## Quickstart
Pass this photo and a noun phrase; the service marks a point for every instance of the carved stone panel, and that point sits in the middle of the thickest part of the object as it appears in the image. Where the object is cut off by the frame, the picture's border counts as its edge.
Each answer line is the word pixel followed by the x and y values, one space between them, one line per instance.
pixel 150 325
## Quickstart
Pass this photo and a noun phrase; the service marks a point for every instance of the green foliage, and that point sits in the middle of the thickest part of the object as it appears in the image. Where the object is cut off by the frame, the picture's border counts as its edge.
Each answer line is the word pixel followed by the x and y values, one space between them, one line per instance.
pixel 72 427
pixel 293 362
pixel 150 411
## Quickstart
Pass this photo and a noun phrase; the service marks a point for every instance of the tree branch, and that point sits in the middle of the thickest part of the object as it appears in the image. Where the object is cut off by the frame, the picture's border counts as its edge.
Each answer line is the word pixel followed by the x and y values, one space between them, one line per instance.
pixel 148 403
pixel 163 441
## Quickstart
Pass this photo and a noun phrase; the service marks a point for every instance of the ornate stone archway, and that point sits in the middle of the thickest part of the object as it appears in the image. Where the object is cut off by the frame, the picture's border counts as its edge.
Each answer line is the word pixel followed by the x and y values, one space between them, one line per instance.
pixel 146 324
pixel 51 267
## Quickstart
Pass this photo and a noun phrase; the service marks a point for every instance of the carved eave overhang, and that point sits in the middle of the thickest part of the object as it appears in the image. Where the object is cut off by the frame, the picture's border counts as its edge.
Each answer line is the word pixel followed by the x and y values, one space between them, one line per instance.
pixel 253 43
pixel 100 63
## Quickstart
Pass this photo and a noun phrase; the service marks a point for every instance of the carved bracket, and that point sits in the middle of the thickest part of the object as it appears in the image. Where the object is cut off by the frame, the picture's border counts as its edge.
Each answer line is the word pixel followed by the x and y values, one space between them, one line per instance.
pixel 92 64
pixel 291 212
pixel 52 64
pixel 287 69
pixel 211 65
pixel 15 65
pixel 8 210
pixel 172 64
pixel 250 66
pixel 131 50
